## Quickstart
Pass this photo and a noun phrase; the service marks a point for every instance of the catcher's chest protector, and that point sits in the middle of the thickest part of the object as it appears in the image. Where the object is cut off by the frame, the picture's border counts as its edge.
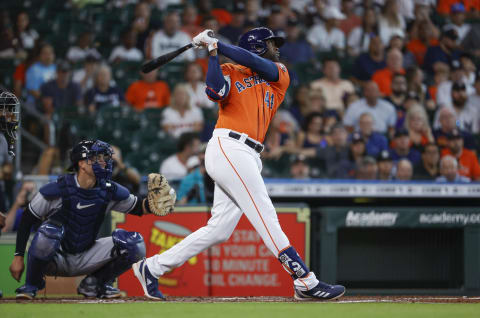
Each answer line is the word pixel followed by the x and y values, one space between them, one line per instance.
pixel 82 213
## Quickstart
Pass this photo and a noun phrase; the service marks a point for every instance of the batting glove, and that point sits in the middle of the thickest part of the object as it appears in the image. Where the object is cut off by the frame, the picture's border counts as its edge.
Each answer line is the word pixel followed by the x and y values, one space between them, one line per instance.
pixel 204 39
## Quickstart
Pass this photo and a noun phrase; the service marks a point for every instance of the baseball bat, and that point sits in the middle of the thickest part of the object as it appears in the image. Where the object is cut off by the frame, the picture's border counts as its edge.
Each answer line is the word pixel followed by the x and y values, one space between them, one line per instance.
pixel 165 58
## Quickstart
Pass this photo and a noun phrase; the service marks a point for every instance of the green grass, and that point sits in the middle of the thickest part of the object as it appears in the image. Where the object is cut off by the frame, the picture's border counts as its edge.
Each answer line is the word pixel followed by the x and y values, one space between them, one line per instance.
pixel 240 310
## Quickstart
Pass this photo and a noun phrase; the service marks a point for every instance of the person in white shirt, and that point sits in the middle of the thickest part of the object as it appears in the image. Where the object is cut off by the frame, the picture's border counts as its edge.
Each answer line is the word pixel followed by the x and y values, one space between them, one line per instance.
pixel 391 22
pixel 326 37
pixel 84 47
pixel 127 51
pixel 180 116
pixel 171 38
pixel 383 113
pixel 85 76
pixel 457 17
pixel 175 166
pixel 333 87
pixel 457 74
pixel 195 85
pixel 359 38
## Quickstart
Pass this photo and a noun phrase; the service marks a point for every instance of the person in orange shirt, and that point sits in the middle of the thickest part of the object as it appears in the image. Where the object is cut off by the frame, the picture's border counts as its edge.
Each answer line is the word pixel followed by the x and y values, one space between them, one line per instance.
pixel 148 92
pixel 418 46
pixel 249 94
pixel 468 165
pixel 444 7
pixel 383 77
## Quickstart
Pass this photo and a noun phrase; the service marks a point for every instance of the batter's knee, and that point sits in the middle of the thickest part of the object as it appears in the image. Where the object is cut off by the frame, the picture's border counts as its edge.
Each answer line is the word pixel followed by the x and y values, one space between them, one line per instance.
pixel 46 241
pixel 131 242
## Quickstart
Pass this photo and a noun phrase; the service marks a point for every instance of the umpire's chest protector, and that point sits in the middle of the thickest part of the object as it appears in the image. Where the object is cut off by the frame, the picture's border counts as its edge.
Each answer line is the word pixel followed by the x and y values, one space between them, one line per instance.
pixel 82 211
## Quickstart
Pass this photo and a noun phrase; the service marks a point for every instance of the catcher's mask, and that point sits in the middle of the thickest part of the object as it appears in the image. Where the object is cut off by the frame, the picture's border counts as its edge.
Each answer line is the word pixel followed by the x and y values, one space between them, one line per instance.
pixel 9 117
pixel 97 153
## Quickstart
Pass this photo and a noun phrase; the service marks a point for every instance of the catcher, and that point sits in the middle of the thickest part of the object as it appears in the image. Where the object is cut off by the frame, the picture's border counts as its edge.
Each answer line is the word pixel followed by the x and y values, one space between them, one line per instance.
pixel 68 213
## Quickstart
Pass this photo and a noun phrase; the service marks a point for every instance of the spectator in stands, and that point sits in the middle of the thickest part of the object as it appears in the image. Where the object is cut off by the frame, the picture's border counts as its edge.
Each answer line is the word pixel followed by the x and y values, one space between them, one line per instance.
pixel 7 36
pixel 404 170
pixel 142 24
pixel 84 46
pixel 234 29
pixel 180 116
pixel 356 153
pixel 123 173
pixel 391 22
pixel 14 214
pixel 332 85
pixel 40 72
pixel 448 122
pixel 300 106
pixel 252 13
pixel 445 52
pixel 419 131
pixel 19 76
pixel 399 95
pixel 192 186
pixel 471 42
pixel 382 111
pixel 368 63
pixel 277 20
pixel 85 76
pixel 374 141
pixel 335 157
pixel 444 7
pixel 61 92
pixel 296 49
pixel 367 169
pixel 449 171
pixel 398 42
pixel 467 160
pixel 415 85
pixel 385 165
pixel 474 98
pixel 457 18
pixel 171 38
pixel 189 21
pixel 299 168
pixel 195 84
pixel 470 69
pixel 444 91
pixel 425 38
pixel 352 20
pixel 327 37
pixel 311 137
pixel 427 168
pixel 359 38
pixel 127 50
pixel 402 149
pixel 148 92
pixel 103 93
pixel 175 166
pixel 279 138
pixel 468 116
pixel 384 77
pixel 24 34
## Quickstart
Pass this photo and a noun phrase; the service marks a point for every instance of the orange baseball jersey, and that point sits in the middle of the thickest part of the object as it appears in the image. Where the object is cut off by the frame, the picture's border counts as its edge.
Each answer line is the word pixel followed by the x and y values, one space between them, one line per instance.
pixel 252 102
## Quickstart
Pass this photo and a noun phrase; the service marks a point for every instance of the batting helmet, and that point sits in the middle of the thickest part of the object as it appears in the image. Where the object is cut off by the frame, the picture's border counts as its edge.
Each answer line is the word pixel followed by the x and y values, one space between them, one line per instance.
pixel 255 40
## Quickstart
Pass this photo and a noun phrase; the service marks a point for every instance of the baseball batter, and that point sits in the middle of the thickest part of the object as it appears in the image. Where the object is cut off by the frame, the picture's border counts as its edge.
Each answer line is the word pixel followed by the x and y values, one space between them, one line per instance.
pixel 249 93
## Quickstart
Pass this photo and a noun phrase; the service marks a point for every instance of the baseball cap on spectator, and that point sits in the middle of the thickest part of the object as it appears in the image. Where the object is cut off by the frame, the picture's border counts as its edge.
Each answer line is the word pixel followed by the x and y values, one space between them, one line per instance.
pixel 356 137
pixel 384 155
pixel 401 132
pixel 459 86
pixel 457 8
pixel 63 66
pixel 450 33
pixel 332 12
pixel 455 134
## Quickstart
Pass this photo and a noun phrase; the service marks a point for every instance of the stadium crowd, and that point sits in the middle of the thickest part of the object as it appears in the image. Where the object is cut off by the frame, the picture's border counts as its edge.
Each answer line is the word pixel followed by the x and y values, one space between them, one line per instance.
pixel 380 89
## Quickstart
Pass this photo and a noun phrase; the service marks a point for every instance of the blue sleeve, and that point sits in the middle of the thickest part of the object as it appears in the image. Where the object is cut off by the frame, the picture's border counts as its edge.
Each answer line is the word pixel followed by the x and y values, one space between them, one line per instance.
pixel 262 66
pixel 217 87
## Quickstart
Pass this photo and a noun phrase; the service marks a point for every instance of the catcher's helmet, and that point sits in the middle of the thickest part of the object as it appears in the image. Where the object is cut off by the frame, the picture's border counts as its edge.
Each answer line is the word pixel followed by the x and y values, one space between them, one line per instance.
pixel 254 40
pixel 9 117
pixel 94 150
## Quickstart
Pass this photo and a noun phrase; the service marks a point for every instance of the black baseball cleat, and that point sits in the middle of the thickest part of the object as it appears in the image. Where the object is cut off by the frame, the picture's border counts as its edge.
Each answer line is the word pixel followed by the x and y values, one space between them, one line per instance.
pixel 322 291
pixel 90 289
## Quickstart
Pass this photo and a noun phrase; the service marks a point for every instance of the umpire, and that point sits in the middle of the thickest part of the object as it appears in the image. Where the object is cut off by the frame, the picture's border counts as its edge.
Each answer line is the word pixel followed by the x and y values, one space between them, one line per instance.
pixel 69 213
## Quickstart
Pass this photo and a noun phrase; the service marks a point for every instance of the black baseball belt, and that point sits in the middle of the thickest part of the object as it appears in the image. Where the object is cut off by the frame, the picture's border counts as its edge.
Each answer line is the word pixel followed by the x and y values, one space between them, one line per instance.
pixel 258 147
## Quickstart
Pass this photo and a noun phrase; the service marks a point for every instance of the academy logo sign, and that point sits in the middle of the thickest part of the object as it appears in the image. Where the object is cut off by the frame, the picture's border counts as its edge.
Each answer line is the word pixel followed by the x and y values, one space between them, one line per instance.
pixel 372 218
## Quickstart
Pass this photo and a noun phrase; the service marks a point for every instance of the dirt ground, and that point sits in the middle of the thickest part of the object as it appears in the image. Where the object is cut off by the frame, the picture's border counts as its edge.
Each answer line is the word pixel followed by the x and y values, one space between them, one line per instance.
pixel 343 300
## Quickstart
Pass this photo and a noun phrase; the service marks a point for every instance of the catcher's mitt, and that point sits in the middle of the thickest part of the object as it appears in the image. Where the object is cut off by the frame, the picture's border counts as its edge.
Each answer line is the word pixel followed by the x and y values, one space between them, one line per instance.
pixel 161 197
